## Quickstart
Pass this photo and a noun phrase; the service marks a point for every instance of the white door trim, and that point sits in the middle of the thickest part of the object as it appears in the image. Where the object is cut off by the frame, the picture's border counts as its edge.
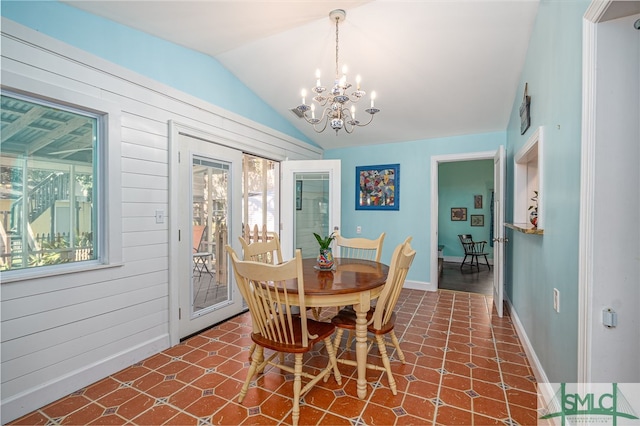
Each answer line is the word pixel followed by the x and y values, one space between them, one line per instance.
pixel 587 164
pixel 435 161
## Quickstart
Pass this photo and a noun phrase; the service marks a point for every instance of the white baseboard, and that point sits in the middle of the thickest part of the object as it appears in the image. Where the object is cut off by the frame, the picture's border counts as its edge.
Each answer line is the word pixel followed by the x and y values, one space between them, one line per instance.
pixel 18 405
pixel 420 285
pixel 545 391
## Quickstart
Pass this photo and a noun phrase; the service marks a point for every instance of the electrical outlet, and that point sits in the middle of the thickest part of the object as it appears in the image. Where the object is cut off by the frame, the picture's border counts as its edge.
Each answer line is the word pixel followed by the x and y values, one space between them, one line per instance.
pixel 556 300
pixel 358 229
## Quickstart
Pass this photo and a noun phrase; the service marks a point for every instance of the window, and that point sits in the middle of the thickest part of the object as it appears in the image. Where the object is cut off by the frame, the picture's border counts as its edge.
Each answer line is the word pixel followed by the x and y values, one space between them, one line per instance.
pixel 49 206
pixel 259 187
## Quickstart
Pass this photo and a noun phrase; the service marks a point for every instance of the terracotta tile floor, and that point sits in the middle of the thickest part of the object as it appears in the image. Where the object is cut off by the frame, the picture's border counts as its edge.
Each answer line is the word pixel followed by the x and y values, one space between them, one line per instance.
pixel 464 366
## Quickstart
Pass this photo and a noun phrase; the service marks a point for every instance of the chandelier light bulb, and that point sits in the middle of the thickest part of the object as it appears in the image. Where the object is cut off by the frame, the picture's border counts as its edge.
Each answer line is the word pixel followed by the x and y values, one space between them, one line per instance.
pixel 304 93
pixel 358 79
pixel 313 111
pixel 353 112
pixel 318 78
pixel 373 96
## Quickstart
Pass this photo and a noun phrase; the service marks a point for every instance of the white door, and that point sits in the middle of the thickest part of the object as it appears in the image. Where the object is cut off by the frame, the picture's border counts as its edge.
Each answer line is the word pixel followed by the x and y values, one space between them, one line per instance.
pixel 499 239
pixel 209 216
pixel 310 196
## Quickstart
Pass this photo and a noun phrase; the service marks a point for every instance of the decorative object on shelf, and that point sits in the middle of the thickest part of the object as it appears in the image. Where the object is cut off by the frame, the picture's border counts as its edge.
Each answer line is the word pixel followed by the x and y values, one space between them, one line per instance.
pixel 525 111
pixel 298 195
pixel 378 187
pixel 533 210
pixel 477 220
pixel 458 213
pixel 336 111
pixel 477 201
pixel 325 257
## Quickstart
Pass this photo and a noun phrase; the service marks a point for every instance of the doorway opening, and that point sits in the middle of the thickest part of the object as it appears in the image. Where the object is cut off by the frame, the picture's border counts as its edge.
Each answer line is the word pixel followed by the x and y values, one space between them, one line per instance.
pixel 451 257
pixel 465 200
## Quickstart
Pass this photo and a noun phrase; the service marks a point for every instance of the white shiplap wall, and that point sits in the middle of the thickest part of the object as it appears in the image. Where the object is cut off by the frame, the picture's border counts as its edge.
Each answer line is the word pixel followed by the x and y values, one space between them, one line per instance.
pixel 62 332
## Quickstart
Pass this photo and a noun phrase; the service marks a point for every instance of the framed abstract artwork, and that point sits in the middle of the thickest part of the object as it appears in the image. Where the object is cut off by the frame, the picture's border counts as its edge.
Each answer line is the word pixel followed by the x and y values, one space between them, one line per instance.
pixel 458 213
pixel 378 187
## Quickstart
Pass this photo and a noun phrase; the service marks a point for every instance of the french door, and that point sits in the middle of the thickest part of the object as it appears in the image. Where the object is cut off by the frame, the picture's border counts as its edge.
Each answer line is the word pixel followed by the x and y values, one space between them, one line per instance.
pixel 311 194
pixel 209 217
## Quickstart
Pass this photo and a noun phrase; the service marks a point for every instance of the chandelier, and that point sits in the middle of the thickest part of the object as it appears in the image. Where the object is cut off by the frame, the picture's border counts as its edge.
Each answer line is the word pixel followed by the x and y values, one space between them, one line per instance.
pixel 335 105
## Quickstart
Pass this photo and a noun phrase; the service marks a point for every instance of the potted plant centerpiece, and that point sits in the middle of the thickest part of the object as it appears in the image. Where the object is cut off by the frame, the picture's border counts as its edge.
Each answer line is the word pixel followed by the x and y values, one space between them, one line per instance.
pixel 325 257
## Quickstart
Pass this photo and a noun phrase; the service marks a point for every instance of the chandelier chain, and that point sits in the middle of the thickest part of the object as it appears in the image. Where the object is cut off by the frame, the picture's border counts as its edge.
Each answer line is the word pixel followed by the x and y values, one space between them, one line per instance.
pixel 337 21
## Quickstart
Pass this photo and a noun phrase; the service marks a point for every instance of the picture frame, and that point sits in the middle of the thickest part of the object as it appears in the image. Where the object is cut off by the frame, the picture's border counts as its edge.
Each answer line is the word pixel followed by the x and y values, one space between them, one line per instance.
pixel 378 187
pixel 477 201
pixel 298 195
pixel 458 214
pixel 525 111
pixel 477 220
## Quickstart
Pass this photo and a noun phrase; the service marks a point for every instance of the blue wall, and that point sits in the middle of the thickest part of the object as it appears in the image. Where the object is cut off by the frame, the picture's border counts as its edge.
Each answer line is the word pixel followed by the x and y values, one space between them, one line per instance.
pixel 414 216
pixel 458 183
pixel 538 264
pixel 189 71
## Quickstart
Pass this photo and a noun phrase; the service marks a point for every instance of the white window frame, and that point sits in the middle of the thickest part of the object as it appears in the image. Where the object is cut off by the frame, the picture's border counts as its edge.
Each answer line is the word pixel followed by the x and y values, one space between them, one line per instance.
pixel 109 223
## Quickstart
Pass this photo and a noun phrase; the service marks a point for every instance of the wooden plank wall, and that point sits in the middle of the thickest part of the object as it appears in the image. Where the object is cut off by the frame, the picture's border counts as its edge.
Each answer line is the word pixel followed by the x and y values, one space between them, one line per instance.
pixel 63 332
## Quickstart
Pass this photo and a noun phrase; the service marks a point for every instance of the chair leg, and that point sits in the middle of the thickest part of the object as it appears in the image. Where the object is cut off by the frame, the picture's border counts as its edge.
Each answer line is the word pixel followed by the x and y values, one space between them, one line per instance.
pixel 297 386
pixel 337 339
pixel 332 361
pixel 464 260
pixel 396 343
pixel 257 356
pixel 382 347
pixel 487 260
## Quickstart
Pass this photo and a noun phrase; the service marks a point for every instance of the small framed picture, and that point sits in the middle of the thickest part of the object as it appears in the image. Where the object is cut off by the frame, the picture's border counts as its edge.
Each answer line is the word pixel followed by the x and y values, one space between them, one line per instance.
pixel 477 201
pixel 458 213
pixel 477 220
pixel 298 195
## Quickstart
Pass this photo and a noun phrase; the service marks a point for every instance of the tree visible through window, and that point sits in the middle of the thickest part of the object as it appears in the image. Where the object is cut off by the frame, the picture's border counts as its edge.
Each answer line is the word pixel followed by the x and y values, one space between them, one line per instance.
pixel 48 211
pixel 259 184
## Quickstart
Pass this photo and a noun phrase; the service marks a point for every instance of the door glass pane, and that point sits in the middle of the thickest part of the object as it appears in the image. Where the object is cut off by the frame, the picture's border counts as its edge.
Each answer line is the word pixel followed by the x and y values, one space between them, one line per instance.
pixel 210 181
pixel 259 197
pixel 312 211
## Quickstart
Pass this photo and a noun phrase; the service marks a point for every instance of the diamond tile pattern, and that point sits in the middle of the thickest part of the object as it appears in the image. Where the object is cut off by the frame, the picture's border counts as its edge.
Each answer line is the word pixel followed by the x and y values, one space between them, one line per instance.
pixel 464 366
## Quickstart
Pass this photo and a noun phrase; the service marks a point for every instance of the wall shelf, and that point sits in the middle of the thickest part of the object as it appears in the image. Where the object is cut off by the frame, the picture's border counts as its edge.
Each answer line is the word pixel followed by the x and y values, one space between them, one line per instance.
pixel 528 179
pixel 525 228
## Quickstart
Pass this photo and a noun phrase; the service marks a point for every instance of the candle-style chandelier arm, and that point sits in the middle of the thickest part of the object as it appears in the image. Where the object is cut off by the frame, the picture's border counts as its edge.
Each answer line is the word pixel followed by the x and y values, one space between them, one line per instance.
pixel 334 103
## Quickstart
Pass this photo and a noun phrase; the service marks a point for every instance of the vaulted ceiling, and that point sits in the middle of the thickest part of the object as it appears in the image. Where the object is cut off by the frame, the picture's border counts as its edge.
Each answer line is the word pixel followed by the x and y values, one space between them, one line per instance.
pixel 439 68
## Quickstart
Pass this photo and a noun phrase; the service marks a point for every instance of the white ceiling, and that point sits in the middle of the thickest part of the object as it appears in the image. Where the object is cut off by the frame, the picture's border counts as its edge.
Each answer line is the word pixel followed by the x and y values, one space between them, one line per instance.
pixel 439 68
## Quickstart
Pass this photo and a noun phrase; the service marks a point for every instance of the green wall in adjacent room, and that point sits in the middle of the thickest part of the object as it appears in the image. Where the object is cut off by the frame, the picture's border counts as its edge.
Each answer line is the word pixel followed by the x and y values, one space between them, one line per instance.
pixel 458 183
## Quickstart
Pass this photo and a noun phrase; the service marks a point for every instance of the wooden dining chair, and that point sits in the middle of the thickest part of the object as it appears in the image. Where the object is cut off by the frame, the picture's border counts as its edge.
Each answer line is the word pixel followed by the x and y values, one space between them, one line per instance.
pixel 265 251
pixel 360 248
pixel 276 328
pixel 381 319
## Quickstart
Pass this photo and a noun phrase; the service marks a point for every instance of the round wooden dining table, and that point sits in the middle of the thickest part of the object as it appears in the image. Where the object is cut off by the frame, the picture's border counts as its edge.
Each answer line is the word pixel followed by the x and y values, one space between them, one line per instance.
pixel 351 282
